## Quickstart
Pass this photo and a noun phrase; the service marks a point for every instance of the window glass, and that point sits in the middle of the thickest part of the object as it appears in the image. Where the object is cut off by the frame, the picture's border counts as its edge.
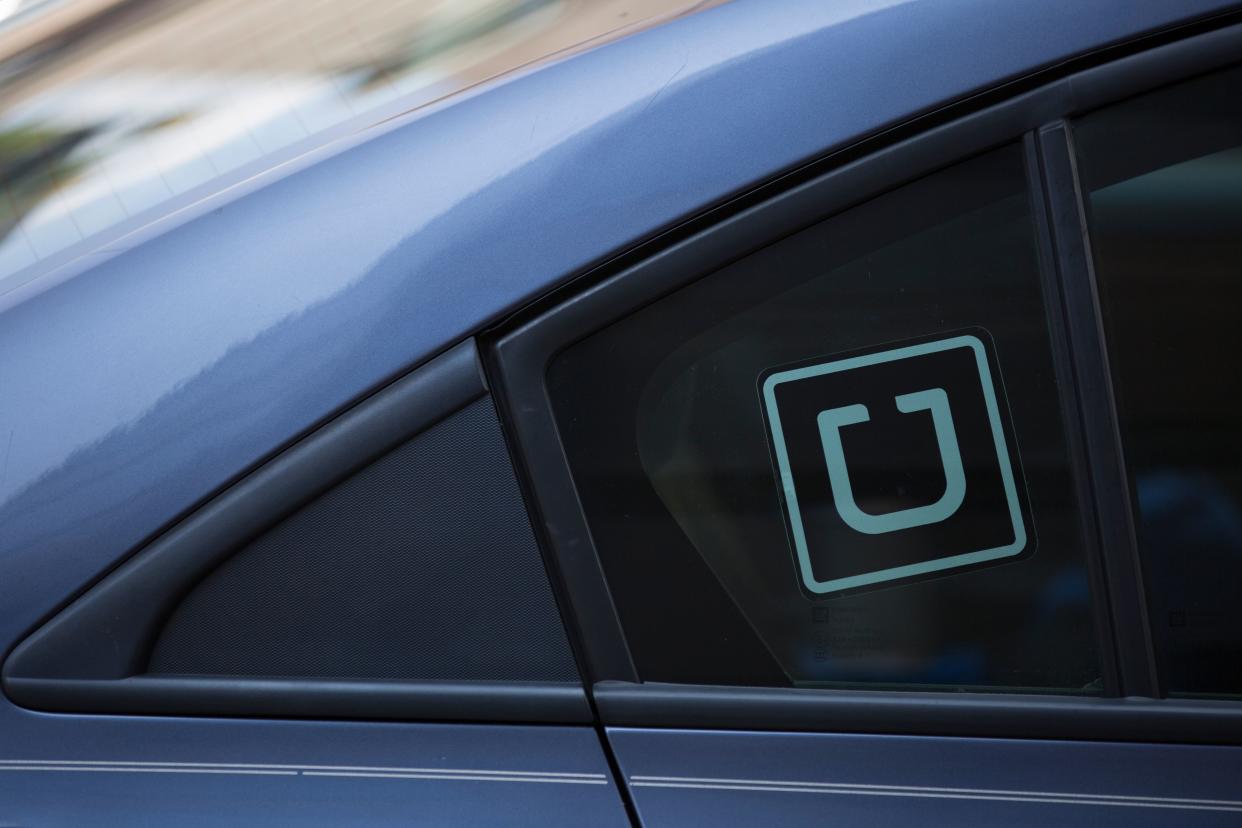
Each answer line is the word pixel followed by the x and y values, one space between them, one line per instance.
pixel 419 566
pixel 1164 175
pixel 841 460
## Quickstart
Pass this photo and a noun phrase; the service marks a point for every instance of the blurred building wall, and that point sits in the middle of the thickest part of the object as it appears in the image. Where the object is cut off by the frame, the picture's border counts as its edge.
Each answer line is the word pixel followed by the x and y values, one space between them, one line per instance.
pixel 111 109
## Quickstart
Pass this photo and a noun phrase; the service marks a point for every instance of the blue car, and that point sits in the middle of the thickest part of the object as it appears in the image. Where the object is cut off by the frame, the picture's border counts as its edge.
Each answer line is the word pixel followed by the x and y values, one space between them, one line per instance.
pixel 791 414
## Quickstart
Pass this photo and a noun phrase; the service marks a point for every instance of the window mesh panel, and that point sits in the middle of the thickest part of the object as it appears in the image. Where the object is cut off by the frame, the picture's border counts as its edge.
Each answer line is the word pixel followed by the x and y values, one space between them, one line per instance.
pixel 422 565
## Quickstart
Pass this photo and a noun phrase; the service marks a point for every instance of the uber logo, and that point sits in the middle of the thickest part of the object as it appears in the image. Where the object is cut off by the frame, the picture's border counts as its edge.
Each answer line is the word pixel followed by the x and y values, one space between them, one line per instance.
pixel 895 464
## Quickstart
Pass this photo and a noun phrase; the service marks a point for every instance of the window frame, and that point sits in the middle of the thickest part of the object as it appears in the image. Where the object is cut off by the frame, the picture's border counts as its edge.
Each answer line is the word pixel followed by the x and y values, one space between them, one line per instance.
pixel 519 351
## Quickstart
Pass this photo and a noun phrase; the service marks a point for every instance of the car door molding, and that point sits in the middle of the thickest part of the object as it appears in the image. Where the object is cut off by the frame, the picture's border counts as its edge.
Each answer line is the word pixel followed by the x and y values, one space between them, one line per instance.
pixel 920 713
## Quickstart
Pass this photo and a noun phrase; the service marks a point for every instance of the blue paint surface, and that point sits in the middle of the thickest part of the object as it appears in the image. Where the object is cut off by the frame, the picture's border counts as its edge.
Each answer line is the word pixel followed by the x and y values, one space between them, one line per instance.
pixel 689 778
pixel 391 756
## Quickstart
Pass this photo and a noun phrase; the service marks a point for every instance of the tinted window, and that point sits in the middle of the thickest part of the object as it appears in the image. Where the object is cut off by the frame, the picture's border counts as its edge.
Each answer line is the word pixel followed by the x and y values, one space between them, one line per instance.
pixel 841 460
pixel 1164 174
pixel 421 565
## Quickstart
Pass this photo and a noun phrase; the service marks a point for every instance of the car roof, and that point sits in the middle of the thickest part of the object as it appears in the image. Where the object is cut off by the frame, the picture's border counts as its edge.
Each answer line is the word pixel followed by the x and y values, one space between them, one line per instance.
pixel 148 371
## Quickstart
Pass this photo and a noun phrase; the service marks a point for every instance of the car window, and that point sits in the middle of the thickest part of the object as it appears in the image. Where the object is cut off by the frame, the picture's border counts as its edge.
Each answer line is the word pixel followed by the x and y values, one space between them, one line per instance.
pixel 422 565
pixel 1164 180
pixel 841 460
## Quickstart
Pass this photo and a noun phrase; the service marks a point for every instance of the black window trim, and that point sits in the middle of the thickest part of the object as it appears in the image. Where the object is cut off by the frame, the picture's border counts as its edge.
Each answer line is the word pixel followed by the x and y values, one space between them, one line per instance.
pixel 908 712
pixel 519 351
pixel 1132 659
pixel 1045 213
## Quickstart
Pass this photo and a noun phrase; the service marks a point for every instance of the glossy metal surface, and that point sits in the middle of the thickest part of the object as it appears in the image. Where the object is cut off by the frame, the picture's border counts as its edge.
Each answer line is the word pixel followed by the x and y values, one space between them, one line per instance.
pixel 99 771
pixel 688 778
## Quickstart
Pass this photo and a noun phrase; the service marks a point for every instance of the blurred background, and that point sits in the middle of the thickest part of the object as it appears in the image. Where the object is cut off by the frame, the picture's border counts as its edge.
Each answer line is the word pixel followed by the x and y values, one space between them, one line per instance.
pixel 112 112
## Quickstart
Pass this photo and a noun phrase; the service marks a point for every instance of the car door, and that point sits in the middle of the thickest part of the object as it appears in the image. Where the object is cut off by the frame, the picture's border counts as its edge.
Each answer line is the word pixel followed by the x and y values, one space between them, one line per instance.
pixel 909 493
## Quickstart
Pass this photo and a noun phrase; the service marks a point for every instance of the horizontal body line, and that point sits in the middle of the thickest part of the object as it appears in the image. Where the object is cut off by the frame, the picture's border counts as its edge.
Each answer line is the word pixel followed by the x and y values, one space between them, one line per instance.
pixel 932 788
pixel 951 793
pixel 233 766
pixel 124 769
pixel 372 775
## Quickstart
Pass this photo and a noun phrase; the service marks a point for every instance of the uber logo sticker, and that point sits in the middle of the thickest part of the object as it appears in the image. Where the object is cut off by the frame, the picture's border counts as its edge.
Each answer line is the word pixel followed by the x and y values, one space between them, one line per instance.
pixel 896 464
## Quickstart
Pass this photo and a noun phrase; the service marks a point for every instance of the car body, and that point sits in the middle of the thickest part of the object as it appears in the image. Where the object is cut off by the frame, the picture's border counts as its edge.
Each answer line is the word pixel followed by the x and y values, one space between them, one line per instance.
pixel 149 371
